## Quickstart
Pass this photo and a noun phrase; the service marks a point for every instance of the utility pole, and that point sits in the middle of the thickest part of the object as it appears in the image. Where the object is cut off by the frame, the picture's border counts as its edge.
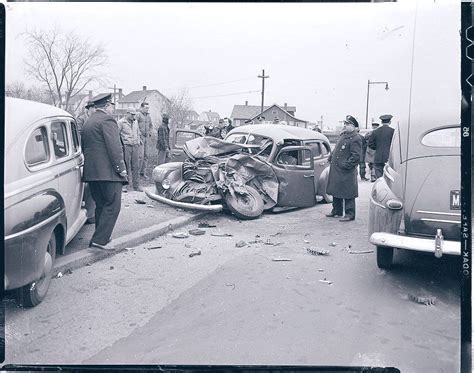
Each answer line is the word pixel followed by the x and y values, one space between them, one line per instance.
pixel 263 77
pixel 115 90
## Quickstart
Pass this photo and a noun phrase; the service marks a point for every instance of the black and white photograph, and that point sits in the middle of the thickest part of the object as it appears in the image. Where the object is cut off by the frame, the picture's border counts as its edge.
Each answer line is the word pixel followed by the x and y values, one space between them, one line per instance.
pixel 261 184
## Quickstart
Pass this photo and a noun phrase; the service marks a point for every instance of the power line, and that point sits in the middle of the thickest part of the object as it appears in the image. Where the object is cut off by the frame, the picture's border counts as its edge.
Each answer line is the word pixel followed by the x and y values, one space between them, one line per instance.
pixel 212 84
pixel 229 94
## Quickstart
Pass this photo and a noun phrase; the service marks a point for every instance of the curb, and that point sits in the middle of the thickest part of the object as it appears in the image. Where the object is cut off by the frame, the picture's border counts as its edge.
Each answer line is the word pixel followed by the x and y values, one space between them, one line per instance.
pixel 120 244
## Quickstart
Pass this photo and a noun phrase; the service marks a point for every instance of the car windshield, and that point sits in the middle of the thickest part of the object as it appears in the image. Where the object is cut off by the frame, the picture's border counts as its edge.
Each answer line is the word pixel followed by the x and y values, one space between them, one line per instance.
pixel 261 145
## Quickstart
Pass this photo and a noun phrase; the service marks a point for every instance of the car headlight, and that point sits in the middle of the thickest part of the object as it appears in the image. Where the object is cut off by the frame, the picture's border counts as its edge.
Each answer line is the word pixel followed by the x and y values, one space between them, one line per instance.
pixel 165 184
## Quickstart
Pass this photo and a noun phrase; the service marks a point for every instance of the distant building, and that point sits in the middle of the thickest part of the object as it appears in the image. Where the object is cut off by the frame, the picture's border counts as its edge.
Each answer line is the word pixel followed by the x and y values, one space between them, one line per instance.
pixel 277 115
pixel 243 113
pixel 210 116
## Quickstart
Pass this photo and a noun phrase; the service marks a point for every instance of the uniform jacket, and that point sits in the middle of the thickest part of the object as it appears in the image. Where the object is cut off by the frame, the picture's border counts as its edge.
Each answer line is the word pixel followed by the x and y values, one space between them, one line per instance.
pixel 380 141
pixel 342 180
pixel 103 155
pixel 163 142
pixel 144 124
pixel 129 132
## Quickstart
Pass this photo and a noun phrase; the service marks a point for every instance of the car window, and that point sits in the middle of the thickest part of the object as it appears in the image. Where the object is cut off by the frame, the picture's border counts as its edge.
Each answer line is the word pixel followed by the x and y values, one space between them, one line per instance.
pixel 298 158
pixel 444 137
pixel 59 139
pixel 75 137
pixel 265 144
pixel 37 148
pixel 315 148
pixel 182 137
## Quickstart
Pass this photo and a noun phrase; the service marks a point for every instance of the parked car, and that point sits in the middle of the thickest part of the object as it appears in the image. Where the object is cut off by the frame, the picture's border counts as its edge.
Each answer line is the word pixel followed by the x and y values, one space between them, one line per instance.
pixel 255 168
pixel 416 204
pixel 43 194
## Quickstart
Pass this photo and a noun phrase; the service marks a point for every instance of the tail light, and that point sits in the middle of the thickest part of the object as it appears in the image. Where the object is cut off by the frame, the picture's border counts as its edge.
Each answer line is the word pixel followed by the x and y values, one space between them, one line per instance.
pixel 394 204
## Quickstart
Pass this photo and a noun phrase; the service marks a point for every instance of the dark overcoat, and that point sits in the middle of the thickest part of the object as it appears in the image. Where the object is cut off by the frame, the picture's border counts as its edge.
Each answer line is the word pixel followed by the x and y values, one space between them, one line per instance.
pixel 103 154
pixel 364 148
pixel 342 179
pixel 380 140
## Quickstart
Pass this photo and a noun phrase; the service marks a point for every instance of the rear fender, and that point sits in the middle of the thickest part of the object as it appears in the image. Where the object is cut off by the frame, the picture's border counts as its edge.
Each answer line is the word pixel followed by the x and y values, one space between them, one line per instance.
pixel 322 182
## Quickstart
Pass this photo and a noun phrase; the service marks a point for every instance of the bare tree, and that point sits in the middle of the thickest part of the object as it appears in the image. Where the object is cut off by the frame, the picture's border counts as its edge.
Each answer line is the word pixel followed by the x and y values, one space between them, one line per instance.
pixel 65 64
pixel 33 93
pixel 177 107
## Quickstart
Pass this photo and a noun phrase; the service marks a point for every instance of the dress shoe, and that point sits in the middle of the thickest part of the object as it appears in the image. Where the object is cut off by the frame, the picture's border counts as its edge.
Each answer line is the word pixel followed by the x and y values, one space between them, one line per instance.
pixel 99 246
pixel 347 218
pixel 331 215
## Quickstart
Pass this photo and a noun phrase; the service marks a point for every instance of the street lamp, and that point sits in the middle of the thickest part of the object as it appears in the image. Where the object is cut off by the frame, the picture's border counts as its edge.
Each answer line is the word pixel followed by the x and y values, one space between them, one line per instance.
pixel 368 91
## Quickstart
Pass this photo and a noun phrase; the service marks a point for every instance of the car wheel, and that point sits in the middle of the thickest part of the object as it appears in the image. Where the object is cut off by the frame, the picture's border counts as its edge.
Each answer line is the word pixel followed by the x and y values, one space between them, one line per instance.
pixel 33 294
pixel 245 206
pixel 384 257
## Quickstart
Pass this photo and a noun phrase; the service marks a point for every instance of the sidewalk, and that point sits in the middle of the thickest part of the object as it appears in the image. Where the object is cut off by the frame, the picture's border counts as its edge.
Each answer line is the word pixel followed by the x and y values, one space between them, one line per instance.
pixel 136 224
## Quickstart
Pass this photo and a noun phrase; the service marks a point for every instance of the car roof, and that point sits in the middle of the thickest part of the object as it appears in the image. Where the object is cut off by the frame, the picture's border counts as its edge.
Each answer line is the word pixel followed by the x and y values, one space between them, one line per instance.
pixel 279 132
pixel 21 114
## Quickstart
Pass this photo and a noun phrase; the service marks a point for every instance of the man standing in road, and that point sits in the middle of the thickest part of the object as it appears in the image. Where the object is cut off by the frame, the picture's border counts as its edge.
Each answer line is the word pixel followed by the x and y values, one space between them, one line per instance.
pixel 370 153
pixel 130 135
pixel 362 165
pixel 342 179
pixel 380 141
pixel 81 119
pixel 146 128
pixel 163 143
pixel 104 168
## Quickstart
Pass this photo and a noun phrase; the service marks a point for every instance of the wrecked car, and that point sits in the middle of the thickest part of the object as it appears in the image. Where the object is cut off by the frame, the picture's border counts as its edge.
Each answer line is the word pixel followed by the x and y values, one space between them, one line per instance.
pixel 255 168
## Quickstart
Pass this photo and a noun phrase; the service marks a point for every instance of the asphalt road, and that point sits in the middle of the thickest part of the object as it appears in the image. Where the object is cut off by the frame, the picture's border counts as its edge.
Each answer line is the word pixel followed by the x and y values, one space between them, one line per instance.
pixel 237 305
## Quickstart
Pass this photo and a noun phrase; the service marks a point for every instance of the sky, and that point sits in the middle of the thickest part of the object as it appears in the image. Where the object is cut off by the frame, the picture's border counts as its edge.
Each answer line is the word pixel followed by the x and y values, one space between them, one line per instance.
pixel 319 57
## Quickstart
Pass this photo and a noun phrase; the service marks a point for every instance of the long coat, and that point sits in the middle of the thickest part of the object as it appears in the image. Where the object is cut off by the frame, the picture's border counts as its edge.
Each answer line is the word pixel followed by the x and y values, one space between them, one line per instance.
pixel 342 180
pixel 380 141
pixel 102 148
pixel 369 153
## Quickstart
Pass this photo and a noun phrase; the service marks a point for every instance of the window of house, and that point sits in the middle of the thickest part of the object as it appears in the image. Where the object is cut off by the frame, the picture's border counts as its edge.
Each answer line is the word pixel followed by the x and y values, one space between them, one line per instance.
pixel 274 112
pixel 37 148
pixel 444 137
pixel 59 139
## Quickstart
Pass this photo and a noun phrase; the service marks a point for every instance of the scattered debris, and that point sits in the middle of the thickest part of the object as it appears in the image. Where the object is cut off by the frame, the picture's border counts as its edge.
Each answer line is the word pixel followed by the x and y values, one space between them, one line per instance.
pixel 222 235
pixel 256 240
pixel 349 246
pixel 314 251
pixel 307 234
pixel 273 235
pixel 180 235
pixel 205 224
pixel 360 252
pixel 281 259
pixel 320 270
pixel 333 244
pixel 68 271
pixel 427 301
pixel 233 286
pixel 197 232
pixel 111 267
pixel 59 275
pixel 195 253
pixel 140 202
pixel 269 242
pixel 150 206
pixel 326 281
pixel 187 245
pixel 240 244
pixel 154 247
pixel 306 241
pixel 170 257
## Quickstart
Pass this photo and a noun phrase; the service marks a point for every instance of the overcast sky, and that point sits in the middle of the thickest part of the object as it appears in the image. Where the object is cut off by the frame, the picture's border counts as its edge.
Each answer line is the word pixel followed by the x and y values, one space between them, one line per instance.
pixel 319 56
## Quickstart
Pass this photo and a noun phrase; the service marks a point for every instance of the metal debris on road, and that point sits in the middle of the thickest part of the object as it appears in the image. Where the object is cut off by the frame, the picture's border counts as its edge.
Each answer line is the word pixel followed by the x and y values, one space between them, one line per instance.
pixel 281 259
pixel 306 241
pixel 197 232
pixel 326 281
pixel 68 272
pixel 154 247
pixel 150 206
pixel 320 270
pixel 140 202
pixel 195 253
pixel 222 235
pixel 187 245
pixel 240 244
pixel 59 275
pixel 233 286
pixel 274 235
pixel 205 224
pixel 180 235
pixel 360 252
pixel 333 244
pixel 256 240
pixel 269 242
pixel 111 267
pixel 314 251
pixel 427 301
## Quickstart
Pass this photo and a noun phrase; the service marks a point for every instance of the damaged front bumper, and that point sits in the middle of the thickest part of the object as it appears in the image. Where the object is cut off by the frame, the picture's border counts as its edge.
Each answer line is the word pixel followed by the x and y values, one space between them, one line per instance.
pixel 183 205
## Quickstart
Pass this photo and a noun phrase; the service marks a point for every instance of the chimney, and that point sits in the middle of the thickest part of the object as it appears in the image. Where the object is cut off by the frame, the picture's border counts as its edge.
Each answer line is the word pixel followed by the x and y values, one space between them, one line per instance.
pixel 246 103
pixel 285 106
pixel 90 95
pixel 144 87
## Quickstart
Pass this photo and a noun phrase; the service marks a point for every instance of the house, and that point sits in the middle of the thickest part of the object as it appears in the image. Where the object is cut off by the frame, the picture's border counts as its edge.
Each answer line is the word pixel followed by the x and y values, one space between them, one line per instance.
pixel 242 113
pixel 210 116
pixel 133 100
pixel 191 115
pixel 277 115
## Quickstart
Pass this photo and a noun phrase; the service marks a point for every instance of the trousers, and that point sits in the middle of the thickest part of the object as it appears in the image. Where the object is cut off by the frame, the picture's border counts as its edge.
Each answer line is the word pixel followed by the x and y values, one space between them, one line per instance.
pixel 378 167
pixel 131 157
pixel 362 169
pixel 108 199
pixel 88 201
pixel 163 156
pixel 341 204
pixel 143 158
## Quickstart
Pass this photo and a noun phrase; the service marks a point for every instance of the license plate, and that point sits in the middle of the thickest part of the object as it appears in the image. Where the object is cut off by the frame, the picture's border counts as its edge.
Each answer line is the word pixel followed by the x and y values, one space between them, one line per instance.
pixel 455 200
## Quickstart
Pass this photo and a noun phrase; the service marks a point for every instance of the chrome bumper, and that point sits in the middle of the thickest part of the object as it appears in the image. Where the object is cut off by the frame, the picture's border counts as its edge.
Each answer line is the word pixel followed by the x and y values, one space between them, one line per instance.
pixel 183 205
pixel 414 243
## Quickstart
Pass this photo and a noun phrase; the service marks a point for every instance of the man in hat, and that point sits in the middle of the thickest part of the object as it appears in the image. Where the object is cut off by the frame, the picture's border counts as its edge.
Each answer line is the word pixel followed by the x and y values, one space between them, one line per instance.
pixel 104 168
pixel 81 119
pixel 163 142
pixel 380 141
pixel 130 134
pixel 370 153
pixel 342 179
pixel 146 129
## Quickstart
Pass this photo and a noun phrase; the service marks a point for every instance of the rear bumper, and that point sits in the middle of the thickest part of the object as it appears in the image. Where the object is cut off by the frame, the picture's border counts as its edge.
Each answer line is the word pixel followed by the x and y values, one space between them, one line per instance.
pixel 183 205
pixel 414 243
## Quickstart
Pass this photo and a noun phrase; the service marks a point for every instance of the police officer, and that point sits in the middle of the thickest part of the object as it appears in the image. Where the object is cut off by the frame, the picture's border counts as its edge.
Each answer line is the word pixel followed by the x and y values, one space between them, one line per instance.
pixel 104 168
pixel 342 180
pixel 380 141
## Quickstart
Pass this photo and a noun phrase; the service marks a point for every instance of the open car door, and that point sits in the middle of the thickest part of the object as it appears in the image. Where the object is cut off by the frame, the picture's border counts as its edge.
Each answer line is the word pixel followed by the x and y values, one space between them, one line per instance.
pixel 294 168
pixel 178 139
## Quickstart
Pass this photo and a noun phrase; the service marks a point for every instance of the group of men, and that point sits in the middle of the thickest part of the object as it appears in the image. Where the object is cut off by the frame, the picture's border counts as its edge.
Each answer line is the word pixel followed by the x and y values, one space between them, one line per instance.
pixel 352 150
pixel 115 155
pixel 221 130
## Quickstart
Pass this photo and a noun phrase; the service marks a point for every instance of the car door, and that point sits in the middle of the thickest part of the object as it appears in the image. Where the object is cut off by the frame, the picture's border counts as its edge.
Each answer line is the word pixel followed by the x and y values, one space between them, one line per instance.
pixel 294 168
pixel 178 139
pixel 320 154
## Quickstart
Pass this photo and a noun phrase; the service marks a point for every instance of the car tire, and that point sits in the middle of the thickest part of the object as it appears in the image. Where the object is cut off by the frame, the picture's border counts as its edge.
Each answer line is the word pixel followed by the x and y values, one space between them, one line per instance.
pixel 384 257
pixel 33 294
pixel 245 206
